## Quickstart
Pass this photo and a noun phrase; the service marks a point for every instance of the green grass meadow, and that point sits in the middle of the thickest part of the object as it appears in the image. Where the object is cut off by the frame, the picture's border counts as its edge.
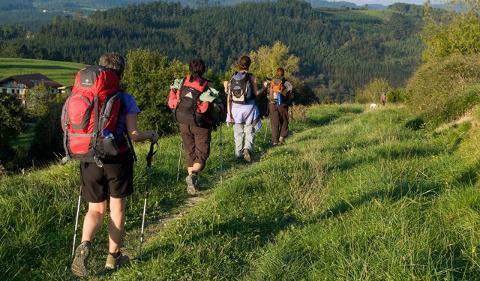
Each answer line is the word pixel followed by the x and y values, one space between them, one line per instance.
pixel 353 195
pixel 62 72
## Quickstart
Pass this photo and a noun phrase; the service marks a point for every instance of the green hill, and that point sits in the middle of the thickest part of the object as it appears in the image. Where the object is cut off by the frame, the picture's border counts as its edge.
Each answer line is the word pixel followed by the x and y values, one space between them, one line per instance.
pixel 354 195
pixel 339 50
pixel 62 72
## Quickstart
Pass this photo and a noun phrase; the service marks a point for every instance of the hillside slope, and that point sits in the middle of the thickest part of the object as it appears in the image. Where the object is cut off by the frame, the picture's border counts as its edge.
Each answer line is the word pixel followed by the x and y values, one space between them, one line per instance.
pixel 351 197
pixel 354 196
pixel 338 49
pixel 62 72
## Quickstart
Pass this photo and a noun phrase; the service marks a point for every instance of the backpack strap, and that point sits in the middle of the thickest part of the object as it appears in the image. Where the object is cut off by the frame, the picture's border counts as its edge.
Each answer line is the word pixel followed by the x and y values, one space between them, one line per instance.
pixel 65 130
pixel 202 85
pixel 179 98
pixel 249 113
pixel 250 79
pixel 95 131
pixel 132 148
pixel 129 140
pixel 254 120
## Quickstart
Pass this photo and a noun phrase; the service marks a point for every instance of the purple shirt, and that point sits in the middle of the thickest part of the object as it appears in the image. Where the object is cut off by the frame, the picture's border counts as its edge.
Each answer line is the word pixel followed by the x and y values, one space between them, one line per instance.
pixel 129 106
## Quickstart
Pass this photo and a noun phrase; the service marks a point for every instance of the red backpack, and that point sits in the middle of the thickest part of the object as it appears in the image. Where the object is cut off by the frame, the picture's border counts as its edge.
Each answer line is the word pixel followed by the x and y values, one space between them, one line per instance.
pixel 90 116
pixel 185 102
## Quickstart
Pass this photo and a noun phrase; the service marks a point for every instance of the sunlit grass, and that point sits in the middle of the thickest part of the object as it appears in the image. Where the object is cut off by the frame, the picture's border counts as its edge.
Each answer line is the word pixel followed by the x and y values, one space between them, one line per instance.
pixel 354 195
pixel 62 72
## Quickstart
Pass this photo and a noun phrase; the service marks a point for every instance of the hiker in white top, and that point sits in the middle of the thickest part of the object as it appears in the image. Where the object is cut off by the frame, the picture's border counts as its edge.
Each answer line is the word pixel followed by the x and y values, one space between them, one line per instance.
pixel 242 111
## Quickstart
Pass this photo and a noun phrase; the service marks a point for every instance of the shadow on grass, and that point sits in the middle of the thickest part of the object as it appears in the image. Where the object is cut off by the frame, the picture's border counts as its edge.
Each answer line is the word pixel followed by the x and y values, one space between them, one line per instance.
pixel 469 176
pixel 251 233
pixel 380 153
pixel 163 179
pixel 400 190
pixel 314 120
pixel 404 188
pixel 255 232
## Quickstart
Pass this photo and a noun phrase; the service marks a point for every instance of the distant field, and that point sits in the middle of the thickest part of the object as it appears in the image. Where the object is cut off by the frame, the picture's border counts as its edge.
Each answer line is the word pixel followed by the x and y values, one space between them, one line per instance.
pixel 380 14
pixel 62 72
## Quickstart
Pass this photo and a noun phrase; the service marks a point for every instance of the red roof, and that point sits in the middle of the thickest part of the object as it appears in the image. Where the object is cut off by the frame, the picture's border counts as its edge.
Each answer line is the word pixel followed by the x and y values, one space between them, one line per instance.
pixel 31 80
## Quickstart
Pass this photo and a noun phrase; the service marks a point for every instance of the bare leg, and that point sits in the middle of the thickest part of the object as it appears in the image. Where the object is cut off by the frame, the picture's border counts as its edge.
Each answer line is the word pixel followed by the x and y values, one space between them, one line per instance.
pixel 93 220
pixel 116 224
pixel 197 167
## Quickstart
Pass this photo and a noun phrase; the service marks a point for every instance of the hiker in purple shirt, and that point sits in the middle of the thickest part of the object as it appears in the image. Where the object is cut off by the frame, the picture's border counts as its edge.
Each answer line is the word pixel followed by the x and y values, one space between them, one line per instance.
pixel 242 111
pixel 108 186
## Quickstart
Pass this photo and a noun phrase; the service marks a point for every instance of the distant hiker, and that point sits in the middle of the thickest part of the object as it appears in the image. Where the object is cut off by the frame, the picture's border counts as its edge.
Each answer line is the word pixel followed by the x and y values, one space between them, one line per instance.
pixel 278 95
pixel 98 108
pixel 383 99
pixel 193 103
pixel 242 111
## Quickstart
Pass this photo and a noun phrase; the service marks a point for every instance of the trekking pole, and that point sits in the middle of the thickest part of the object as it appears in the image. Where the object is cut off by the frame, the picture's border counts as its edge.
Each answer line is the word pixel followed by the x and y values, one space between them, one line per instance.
pixel 150 154
pixel 179 159
pixel 221 156
pixel 265 135
pixel 266 127
pixel 76 221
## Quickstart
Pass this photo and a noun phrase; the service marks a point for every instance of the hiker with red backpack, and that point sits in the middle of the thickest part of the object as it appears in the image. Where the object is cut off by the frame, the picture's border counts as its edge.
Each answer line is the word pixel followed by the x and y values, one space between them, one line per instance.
pixel 99 120
pixel 193 101
pixel 242 110
pixel 278 90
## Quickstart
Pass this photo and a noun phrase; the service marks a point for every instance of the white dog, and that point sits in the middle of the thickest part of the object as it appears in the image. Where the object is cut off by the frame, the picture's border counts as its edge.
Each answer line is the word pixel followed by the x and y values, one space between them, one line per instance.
pixel 373 106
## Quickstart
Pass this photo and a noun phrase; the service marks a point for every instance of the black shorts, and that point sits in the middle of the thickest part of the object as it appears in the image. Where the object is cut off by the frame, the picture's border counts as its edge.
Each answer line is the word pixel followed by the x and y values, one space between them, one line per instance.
pixel 115 180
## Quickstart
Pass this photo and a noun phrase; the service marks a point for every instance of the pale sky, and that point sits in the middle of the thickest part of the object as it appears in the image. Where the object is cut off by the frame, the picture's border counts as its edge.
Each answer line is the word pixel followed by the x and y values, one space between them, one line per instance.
pixel 389 2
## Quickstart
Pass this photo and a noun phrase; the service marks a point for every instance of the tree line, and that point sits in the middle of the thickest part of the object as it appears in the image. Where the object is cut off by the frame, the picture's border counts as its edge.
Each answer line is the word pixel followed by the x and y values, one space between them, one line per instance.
pixel 347 48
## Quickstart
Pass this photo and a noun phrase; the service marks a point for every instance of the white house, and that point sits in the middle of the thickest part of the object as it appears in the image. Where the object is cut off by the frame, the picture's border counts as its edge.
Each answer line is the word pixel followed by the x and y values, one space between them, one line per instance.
pixel 19 85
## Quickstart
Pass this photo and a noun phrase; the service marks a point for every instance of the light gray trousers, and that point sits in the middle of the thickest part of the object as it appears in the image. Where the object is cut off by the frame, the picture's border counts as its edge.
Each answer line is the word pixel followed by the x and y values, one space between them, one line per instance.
pixel 244 137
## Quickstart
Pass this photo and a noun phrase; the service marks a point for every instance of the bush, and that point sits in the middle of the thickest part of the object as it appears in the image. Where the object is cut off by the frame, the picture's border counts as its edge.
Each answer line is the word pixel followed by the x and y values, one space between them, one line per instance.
pixel 37 101
pixel 396 95
pixel 47 143
pixel 444 90
pixel 373 91
pixel 459 33
pixel 148 76
pixel 11 124
pixel 304 95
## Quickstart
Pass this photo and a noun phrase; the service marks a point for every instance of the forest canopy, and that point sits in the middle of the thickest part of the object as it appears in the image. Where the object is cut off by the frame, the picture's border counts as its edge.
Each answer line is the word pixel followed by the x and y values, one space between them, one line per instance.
pixel 338 49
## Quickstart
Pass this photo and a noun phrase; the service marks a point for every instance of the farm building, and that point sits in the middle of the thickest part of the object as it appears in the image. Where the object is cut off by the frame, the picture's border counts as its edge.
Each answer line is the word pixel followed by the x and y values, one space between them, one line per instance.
pixel 19 85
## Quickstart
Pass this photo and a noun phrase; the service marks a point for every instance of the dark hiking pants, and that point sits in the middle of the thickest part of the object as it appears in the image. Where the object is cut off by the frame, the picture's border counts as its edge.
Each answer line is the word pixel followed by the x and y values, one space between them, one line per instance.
pixel 278 121
pixel 196 142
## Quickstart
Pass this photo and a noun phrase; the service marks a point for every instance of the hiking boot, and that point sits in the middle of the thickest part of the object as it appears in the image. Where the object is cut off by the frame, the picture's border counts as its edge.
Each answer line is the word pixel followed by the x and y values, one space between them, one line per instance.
pixel 79 264
pixel 114 263
pixel 192 182
pixel 247 156
pixel 281 140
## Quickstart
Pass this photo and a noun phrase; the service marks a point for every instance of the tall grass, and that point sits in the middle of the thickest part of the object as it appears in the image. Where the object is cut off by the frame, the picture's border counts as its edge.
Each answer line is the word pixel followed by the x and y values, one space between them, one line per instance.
pixel 442 91
pixel 357 197
pixel 38 209
pixel 352 196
